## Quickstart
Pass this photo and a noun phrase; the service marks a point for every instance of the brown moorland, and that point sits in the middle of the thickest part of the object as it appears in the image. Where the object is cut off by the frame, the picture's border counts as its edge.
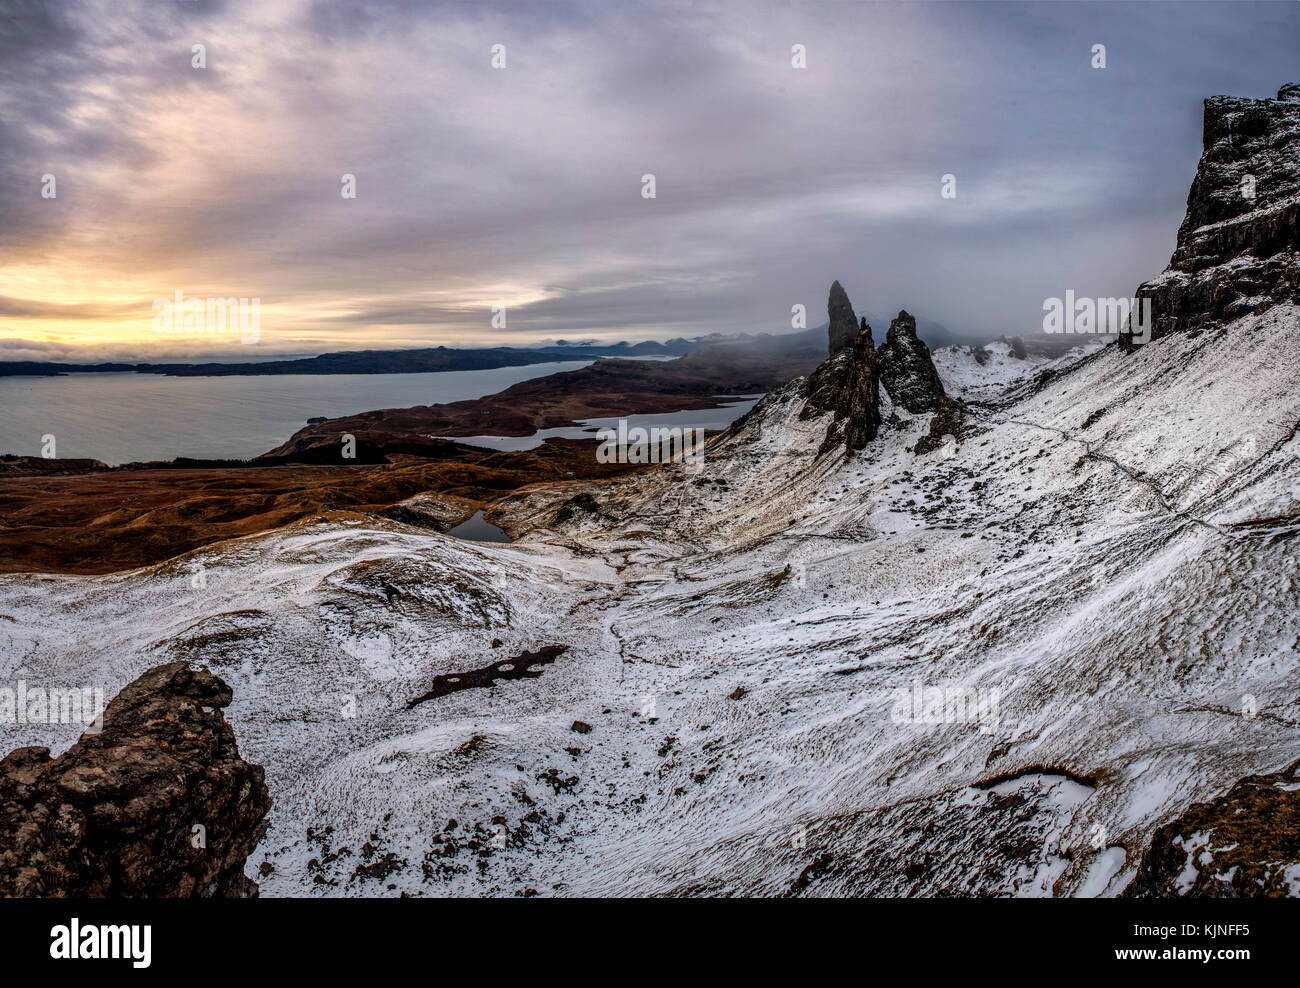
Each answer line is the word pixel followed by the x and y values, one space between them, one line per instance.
pixel 80 516
pixel 114 519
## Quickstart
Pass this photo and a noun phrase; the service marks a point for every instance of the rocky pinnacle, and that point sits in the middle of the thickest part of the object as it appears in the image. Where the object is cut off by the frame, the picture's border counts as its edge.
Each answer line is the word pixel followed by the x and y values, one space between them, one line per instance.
pixel 843 323
pixel 862 392
pixel 846 383
pixel 906 370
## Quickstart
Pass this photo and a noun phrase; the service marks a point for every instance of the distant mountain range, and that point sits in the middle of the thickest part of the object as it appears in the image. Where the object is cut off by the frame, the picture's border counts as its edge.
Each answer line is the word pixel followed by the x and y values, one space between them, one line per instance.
pixel 431 359
pixel 367 361
pixel 408 361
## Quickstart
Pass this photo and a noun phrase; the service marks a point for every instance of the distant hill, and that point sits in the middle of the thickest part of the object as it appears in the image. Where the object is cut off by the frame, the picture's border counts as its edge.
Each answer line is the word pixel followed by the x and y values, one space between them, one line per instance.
pixel 415 361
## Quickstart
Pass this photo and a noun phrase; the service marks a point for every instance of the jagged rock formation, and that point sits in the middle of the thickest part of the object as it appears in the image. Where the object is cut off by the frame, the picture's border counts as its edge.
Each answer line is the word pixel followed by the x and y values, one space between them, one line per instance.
pixel 1245 844
pixel 949 420
pixel 158 804
pixel 906 370
pixel 1238 248
pixel 843 328
pixel 846 384
pixel 861 395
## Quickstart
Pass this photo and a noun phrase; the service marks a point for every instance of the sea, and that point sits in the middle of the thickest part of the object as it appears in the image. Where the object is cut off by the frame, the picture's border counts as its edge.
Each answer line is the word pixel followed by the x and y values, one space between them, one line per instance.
pixel 127 417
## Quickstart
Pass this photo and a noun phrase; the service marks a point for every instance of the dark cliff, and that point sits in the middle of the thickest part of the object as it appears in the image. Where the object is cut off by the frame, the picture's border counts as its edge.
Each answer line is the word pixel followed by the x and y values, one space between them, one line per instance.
pixel 1238 248
pixel 906 370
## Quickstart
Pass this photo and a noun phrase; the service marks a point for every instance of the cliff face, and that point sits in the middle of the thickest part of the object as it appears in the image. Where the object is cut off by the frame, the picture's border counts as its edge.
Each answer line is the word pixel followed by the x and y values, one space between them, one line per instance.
pixel 843 327
pixel 158 804
pixel 1238 248
pixel 846 383
pixel 861 394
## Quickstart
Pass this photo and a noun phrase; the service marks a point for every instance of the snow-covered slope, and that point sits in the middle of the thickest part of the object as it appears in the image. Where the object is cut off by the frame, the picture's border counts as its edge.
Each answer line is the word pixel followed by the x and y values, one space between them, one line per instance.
pixel 985 372
pixel 1108 563
pixel 1004 667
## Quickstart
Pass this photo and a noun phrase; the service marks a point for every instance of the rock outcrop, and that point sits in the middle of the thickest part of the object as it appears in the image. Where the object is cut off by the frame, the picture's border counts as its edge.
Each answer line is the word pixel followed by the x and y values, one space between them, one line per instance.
pixel 1238 248
pixel 1245 844
pixel 847 383
pixel 949 420
pixel 906 370
pixel 156 804
pixel 39 466
pixel 861 395
pixel 843 328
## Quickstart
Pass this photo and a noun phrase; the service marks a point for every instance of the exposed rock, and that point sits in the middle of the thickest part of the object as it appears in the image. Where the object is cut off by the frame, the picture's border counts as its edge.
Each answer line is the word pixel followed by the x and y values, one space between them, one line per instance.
pixel 906 370
pixel 949 420
pixel 843 323
pixel 157 804
pixel 1240 845
pixel 39 466
pixel 861 400
pixel 578 506
pixel 847 385
pixel 520 666
pixel 1238 248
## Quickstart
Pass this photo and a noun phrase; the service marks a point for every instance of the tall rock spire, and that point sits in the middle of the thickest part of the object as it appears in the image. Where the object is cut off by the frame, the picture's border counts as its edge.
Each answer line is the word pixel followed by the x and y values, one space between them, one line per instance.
pixel 846 384
pixel 843 323
pixel 862 392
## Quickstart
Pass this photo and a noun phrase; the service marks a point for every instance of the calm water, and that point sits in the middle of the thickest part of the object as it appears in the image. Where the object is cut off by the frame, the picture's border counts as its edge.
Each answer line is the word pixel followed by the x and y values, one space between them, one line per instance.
pixel 475 529
pixel 704 418
pixel 119 418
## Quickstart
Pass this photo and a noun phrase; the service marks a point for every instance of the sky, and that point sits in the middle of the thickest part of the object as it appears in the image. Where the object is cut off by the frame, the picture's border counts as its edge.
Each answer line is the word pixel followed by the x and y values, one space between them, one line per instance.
pixel 522 186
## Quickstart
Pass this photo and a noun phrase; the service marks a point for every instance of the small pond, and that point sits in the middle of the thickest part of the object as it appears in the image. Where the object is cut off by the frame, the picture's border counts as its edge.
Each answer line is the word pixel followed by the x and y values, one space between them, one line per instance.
pixel 475 529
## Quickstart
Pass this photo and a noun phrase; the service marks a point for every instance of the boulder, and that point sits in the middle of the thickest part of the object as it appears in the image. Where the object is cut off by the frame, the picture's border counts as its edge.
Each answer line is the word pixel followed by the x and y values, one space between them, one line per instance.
pixel 157 803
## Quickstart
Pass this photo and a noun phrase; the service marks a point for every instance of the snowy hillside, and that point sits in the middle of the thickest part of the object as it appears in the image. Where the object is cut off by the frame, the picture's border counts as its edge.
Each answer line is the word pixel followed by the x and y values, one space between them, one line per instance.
pixel 984 372
pixel 1109 562
pixel 824 663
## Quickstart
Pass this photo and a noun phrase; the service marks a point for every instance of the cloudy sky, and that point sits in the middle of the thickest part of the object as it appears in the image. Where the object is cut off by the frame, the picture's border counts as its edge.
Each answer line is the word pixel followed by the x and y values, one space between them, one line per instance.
pixel 522 186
